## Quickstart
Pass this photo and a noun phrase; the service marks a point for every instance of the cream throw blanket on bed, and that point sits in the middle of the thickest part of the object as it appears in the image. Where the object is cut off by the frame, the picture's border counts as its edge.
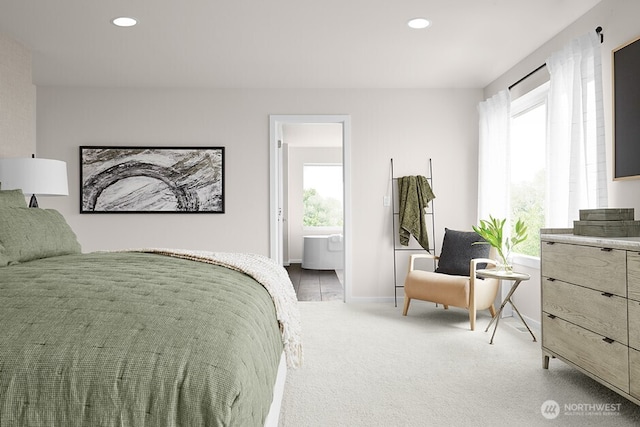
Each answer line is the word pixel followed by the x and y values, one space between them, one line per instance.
pixel 272 276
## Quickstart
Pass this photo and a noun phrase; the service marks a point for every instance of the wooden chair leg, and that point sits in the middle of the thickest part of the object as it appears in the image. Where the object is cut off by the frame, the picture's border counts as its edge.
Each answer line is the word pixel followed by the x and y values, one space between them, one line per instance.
pixel 446 307
pixel 492 310
pixel 407 300
pixel 472 318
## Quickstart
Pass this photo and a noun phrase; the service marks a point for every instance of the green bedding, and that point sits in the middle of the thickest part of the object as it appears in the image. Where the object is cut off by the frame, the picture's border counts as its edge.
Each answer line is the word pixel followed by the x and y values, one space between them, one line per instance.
pixel 134 339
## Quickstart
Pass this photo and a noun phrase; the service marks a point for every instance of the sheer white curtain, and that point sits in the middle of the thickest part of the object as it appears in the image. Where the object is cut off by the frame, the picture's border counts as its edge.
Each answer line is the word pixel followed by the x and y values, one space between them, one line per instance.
pixel 576 158
pixel 493 156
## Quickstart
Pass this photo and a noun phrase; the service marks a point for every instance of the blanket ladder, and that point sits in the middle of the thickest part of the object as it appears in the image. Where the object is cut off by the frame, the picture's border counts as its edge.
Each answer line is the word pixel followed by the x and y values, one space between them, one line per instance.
pixel 413 247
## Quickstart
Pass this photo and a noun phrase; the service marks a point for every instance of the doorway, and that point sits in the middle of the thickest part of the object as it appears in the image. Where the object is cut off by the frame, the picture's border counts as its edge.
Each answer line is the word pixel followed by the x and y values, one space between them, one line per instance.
pixel 279 126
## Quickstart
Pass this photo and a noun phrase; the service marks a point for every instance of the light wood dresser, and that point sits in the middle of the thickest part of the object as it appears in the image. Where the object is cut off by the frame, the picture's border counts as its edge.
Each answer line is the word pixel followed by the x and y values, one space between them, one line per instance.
pixel 591 307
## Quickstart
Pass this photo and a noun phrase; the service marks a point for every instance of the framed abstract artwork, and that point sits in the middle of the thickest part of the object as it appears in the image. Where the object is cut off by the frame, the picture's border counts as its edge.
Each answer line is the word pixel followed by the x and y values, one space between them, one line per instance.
pixel 151 179
pixel 626 111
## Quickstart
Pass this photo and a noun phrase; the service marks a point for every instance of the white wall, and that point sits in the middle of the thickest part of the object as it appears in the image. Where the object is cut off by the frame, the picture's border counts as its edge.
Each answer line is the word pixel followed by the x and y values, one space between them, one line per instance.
pixel 297 158
pixel 17 100
pixel 618 18
pixel 409 125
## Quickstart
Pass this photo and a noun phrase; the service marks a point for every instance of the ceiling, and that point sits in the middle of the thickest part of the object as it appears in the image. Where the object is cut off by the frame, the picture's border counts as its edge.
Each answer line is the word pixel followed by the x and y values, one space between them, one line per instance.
pixel 282 43
pixel 312 134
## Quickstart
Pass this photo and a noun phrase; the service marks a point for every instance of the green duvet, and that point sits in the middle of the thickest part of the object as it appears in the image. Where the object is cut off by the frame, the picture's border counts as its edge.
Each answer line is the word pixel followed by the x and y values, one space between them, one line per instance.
pixel 134 339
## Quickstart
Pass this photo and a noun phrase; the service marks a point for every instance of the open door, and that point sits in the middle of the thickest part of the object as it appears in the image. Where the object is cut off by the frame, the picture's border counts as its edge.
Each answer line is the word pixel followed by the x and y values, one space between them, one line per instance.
pixel 276 223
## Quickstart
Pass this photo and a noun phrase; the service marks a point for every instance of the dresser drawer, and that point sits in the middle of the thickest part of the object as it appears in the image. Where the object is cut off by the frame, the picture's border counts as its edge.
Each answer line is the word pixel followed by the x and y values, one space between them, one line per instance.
pixel 634 373
pixel 633 275
pixel 634 324
pixel 602 313
pixel 607 361
pixel 601 269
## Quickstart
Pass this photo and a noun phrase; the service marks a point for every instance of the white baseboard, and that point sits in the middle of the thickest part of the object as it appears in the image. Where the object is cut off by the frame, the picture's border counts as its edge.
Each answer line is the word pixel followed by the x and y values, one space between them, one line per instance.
pixel 361 300
pixel 535 325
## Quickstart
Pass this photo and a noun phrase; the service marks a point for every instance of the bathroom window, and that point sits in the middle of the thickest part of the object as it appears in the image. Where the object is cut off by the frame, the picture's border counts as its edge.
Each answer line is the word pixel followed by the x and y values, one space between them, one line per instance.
pixel 322 200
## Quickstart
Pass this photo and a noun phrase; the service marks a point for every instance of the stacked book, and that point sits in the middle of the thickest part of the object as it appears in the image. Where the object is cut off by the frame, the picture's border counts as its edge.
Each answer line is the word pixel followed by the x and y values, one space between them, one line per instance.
pixel 608 222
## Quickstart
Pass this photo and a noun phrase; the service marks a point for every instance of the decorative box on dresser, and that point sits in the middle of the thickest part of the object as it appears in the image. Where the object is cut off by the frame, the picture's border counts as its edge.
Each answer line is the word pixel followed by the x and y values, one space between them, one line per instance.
pixel 591 306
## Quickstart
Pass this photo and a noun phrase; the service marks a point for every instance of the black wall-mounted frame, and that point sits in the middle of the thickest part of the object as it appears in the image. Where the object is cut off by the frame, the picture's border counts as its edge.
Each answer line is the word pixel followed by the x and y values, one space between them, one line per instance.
pixel 626 110
pixel 116 179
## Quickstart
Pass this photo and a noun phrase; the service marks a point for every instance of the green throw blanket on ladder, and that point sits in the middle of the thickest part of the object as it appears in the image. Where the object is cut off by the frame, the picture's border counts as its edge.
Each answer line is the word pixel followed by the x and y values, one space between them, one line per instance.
pixel 415 195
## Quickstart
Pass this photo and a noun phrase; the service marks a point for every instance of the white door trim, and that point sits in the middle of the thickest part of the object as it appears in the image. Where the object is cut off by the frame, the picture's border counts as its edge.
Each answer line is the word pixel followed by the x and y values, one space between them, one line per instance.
pixel 275 185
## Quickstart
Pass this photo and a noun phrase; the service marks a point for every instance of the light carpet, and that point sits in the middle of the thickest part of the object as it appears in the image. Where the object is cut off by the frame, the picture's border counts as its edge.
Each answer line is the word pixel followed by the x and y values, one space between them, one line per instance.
pixel 367 365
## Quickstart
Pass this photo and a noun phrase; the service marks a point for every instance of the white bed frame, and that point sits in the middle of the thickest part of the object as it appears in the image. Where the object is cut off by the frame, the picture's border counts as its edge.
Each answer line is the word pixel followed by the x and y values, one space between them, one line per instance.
pixel 278 391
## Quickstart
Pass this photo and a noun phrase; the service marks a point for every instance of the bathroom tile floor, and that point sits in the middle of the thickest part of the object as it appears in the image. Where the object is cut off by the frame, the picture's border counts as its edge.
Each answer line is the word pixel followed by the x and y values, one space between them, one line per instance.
pixel 315 285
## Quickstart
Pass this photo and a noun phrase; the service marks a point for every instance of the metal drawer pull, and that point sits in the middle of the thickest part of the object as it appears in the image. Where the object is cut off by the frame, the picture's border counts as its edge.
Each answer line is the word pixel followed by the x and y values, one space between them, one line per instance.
pixel 551 316
pixel 608 340
pixel 607 294
pixel 606 249
pixel 550 243
pixel 551 279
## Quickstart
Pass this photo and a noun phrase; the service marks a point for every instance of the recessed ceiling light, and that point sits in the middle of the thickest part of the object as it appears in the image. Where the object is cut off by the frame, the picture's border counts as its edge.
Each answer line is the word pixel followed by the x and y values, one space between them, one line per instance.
pixel 124 21
pixel 418 23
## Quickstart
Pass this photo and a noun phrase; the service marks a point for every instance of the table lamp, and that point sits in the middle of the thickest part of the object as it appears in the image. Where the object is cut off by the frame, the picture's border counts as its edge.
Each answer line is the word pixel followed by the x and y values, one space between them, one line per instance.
pixel 44 177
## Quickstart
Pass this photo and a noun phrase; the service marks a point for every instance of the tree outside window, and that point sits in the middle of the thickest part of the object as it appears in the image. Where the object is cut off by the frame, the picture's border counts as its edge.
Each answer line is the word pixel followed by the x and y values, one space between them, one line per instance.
pixel 528 163
pixel 322 200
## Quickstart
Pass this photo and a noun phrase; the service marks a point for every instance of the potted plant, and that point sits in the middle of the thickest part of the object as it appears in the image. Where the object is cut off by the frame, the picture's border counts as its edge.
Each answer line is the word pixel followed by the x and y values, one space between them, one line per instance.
pixel 492 232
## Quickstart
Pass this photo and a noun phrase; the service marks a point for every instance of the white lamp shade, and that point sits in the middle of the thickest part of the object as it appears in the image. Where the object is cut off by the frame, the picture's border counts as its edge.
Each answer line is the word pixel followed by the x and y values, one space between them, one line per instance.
pixel 44 177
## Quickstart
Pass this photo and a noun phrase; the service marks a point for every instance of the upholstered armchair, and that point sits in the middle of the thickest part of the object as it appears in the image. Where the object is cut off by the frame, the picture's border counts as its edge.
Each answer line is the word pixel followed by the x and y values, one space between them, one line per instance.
pixel 454 281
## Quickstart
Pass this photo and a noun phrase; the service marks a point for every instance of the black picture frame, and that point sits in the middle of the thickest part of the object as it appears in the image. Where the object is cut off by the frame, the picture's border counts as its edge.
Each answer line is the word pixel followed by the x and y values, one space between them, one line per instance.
pixel 626 110
pixel 120 179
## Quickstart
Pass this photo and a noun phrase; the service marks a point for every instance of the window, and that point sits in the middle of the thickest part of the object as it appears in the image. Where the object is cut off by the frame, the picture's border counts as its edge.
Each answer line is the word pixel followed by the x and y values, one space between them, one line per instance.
pixel 527 144
pixel 560 121
pixel 323 204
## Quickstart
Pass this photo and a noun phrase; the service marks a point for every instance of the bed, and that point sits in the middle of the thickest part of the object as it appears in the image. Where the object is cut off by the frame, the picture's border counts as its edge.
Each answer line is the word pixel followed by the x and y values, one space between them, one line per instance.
pixel 139 337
